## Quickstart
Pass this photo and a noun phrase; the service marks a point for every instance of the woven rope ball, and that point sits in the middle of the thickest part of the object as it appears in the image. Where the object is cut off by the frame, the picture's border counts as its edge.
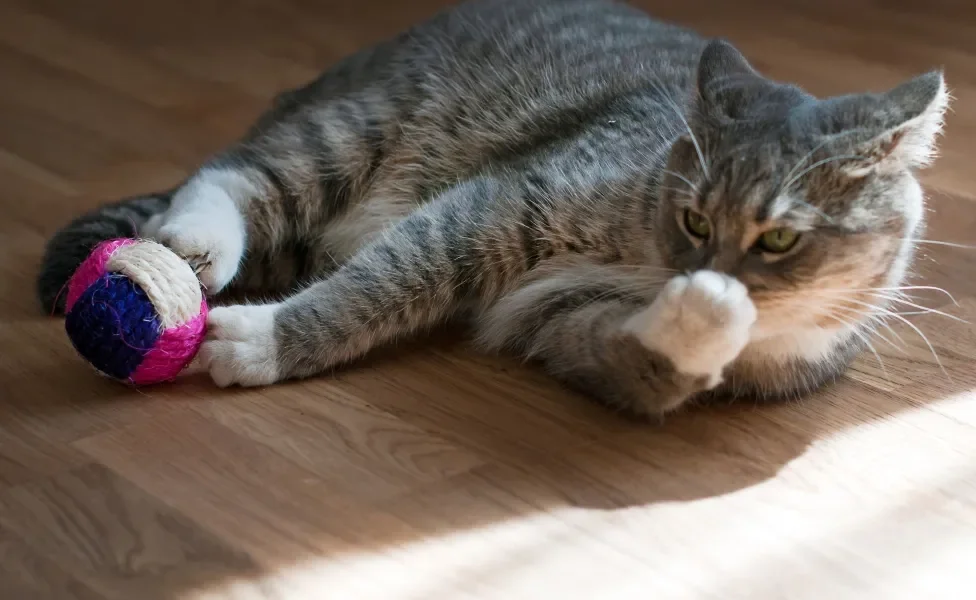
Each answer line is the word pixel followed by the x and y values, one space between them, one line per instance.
pixel 135 311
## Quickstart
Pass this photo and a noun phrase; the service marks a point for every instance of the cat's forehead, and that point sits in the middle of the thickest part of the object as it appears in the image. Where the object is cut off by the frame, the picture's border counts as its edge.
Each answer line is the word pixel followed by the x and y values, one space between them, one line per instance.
pixel 754 166
pixel 762 145
pixel 749 191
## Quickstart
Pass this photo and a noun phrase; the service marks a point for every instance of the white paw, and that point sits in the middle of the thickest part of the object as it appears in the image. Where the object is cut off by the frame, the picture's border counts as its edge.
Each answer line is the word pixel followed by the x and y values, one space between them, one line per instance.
pixel 214 249
pixel 701 322
pixel 240 347
pixel 204 225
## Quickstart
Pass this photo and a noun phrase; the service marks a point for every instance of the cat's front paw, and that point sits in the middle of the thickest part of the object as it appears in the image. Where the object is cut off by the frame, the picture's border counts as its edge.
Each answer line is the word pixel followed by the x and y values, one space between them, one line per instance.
pixel 214 248
pixel 240 347
pixel 700 322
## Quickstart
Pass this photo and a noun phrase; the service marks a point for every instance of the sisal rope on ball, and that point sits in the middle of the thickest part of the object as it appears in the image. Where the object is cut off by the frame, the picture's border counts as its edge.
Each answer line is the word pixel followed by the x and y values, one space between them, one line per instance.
pixel 135 311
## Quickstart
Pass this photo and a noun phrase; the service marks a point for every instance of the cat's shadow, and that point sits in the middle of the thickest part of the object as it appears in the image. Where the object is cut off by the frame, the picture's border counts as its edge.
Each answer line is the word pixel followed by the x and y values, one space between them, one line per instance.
pixel 534 449
pixel 546 452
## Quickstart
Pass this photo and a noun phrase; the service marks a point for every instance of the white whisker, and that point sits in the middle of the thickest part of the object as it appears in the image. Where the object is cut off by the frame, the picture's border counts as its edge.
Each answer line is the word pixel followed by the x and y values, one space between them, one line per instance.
pixel 680 114
pixel 693 187
pixel 814 209
pixel 797 177
pixel 918 331
pixel 635 291
pixel 855 331
pixel 924 309
pixel 808 155
pixel 920 288
pixel 677 191
pixel 939 243
pixel 877 321
pixel 863 319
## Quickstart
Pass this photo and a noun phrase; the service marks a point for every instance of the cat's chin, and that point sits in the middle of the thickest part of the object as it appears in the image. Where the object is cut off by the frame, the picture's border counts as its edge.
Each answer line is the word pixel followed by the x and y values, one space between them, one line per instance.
pixel 811 344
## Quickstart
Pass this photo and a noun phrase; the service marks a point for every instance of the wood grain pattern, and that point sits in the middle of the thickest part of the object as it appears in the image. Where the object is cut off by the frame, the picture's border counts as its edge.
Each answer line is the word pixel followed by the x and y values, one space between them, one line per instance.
pixel 113 536
pixel 27 575
pixel 431 472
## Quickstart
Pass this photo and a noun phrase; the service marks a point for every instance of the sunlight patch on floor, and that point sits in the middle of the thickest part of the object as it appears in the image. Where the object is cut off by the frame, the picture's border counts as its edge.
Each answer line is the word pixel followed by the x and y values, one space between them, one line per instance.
pixel 856 494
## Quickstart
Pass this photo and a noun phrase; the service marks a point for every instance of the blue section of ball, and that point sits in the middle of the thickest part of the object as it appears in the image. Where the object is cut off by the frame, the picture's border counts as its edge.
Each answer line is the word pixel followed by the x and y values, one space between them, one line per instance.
pixel 113 325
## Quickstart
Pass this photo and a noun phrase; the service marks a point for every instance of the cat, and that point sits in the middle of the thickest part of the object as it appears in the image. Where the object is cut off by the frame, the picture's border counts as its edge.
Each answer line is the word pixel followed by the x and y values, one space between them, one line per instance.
pixel 629 205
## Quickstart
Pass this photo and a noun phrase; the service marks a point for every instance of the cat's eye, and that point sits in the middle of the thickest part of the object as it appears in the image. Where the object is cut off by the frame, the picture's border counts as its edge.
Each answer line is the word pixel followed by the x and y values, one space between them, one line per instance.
pixel 778 241
pixel 697 225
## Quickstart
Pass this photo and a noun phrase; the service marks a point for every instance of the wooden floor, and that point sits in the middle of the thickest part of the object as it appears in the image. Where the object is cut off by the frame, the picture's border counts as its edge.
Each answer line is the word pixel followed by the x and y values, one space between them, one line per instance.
pixel 433 473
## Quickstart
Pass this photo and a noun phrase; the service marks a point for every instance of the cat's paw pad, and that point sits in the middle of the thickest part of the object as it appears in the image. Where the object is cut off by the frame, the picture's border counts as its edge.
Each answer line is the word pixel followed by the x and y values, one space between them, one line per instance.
pixel 700 322
pixel 706 302
pixel 214 249
pixel 240 347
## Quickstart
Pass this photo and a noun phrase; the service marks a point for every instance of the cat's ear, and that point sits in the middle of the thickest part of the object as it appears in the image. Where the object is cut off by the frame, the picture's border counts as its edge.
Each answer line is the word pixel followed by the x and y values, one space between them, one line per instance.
pixel 725 80
pixel 719 61
pixel 919 105
pixel 899 128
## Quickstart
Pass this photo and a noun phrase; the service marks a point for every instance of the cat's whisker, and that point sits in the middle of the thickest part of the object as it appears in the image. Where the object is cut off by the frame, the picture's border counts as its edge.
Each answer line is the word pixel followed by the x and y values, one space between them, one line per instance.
pixel 799 164
pixel 875 331
pixel 691 185
pixel 875 319
pixel 940 243
pixel 914 327
pixel 814 209
pixel 896 289
pixel 622 283
pixel 878 315
pixel 639 268
pixel 931 288
pixel 639 290
pixel 881 321
pixel 684 121
pixel 825 161
pixel 924 309
pixel 860 335
pixel 874 351
pixel 860 330
pixel 686 193
pixel 634 295
pixel 698 150
pixel 904 299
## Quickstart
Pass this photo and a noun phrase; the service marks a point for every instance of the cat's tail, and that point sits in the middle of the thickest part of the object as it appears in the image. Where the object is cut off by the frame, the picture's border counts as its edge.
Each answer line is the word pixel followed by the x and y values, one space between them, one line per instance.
pixel 72 244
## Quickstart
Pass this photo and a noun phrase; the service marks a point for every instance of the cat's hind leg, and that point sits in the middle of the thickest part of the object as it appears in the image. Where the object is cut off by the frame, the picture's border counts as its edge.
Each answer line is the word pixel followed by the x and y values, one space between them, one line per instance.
pixel 301 167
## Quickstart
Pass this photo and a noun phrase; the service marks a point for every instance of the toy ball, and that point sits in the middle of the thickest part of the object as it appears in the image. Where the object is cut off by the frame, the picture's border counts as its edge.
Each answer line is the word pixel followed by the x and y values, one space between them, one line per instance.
pixel 135 311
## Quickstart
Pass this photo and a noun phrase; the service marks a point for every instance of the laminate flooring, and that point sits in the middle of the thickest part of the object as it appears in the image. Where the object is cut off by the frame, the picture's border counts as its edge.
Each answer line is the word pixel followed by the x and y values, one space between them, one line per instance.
pixel 429 471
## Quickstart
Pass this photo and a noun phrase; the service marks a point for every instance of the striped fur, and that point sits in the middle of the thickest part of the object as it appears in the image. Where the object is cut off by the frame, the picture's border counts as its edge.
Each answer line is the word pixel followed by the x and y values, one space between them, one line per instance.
pixel 523 165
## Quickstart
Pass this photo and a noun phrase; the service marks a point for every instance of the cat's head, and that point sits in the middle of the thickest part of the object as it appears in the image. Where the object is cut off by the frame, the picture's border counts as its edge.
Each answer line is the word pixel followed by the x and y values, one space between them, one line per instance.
pixel 811 203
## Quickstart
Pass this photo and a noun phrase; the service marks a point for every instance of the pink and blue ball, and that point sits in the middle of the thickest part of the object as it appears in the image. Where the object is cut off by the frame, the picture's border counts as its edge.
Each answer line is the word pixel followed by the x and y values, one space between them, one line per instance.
pixel 135 311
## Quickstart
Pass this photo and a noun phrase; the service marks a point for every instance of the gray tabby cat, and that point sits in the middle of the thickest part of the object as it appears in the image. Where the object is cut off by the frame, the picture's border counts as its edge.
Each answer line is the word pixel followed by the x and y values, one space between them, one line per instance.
pixel 630 206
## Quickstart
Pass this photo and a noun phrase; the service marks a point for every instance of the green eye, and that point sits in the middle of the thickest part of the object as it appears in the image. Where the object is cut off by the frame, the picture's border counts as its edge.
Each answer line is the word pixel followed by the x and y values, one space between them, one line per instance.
pixel 778 241
pixel 696 224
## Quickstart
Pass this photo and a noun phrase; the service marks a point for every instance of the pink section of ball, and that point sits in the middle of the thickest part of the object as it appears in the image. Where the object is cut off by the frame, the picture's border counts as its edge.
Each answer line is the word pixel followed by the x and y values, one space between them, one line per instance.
pixel 173 351
pixel 90 270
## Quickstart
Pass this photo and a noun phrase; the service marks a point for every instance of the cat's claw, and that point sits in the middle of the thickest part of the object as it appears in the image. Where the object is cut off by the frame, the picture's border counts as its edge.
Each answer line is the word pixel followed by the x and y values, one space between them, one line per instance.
pixel 701 322
pixel 205 227
pixel 240 348
pixel 214 253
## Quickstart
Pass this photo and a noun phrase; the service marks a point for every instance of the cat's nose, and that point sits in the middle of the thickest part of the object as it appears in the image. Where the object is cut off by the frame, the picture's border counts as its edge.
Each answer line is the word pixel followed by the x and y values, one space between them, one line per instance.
pixel 723 262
